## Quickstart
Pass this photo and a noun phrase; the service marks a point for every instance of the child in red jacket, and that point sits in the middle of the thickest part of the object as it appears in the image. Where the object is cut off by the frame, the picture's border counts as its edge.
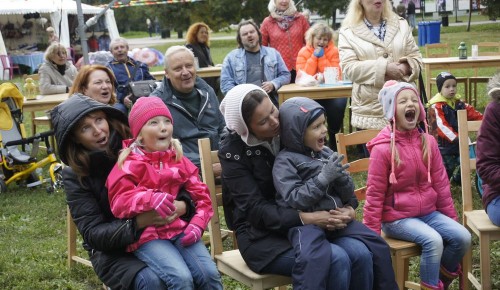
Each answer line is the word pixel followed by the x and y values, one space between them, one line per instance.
pixel 149 174
pixel 443 122
pixel 408 195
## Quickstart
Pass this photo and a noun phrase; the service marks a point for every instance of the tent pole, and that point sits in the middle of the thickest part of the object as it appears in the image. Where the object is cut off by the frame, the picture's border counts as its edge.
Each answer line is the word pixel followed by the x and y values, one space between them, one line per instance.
pixel 81 32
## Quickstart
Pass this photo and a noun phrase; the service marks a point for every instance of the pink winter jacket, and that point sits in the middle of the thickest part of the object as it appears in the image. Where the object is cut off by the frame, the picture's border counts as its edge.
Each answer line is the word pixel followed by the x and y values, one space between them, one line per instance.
pixel 412 195
pixel 131 188
pixel 287 42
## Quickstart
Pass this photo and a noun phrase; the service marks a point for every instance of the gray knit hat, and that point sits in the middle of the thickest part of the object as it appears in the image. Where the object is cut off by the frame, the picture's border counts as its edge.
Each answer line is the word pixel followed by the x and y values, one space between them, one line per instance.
pixel 387 98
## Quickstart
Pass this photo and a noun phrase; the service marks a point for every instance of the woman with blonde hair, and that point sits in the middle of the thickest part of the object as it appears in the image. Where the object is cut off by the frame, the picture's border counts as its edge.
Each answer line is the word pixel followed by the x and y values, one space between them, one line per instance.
pixel 284 29
pixel 319 53
pixel 97 82
pixel 375 45
pixel 56 72
pixel 198 41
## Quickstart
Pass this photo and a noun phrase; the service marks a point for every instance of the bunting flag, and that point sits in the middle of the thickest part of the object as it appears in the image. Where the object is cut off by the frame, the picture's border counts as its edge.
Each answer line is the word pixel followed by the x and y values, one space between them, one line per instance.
pixel 119 4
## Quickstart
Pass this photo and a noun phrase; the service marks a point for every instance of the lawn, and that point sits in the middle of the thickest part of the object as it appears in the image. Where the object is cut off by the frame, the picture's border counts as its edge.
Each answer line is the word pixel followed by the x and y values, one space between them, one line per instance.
pixel 32 221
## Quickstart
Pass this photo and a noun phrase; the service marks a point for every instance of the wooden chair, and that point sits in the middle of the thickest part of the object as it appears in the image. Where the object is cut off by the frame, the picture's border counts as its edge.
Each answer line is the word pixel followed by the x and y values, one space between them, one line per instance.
pixel 401 251
pixel 229 262
pixel 443 50
pixel 7 64
pixel 484 48
pixel 72 251
pixel 476 221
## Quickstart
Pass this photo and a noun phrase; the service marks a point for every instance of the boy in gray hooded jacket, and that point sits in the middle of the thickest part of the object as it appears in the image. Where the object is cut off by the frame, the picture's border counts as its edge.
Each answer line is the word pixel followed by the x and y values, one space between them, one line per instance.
pixel 309 176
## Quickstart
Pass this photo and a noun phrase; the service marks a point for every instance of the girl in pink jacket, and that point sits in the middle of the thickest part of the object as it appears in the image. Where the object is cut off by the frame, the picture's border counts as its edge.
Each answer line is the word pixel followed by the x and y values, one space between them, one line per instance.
pixel 408 192
pixel 150 172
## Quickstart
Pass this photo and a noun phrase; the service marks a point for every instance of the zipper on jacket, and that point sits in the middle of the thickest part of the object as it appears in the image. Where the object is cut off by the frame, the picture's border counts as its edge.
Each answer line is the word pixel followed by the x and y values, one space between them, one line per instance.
pixel 127 222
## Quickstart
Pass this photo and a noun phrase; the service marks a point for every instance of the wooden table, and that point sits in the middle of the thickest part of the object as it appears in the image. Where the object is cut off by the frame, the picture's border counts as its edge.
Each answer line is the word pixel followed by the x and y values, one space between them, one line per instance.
pixel 316 93
pixel 450 63
pixel 213 71
pixel 44 102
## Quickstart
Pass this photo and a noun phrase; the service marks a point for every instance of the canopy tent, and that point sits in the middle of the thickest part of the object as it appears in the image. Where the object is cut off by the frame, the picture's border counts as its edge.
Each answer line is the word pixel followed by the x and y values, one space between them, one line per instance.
pixel 57 11
pixel 118 4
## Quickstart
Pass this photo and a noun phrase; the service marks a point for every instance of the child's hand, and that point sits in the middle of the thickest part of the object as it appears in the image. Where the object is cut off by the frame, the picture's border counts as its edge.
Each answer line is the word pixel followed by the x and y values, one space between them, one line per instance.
pixel 192 234
pixel 333 169
pixel 163 204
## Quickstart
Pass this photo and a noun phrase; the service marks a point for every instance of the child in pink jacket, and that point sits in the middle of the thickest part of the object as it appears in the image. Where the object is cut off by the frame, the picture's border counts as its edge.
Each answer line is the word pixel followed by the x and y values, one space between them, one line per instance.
pixel 408 192
pixel 150 172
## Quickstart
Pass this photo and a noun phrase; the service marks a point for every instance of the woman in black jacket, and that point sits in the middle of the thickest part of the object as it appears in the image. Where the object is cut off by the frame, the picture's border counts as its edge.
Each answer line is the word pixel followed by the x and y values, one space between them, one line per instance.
pixel 247 154
pixel 89 136
pixel 198 41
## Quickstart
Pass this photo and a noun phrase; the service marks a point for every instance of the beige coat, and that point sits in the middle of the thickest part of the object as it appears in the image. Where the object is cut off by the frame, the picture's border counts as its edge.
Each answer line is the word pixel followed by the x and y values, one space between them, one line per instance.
pixel 364 58
pixel 52 82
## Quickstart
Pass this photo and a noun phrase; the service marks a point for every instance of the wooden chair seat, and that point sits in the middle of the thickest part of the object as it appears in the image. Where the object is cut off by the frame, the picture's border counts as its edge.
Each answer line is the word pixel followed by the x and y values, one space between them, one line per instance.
pixel 475 220
pixel 229 262
pixel 401 251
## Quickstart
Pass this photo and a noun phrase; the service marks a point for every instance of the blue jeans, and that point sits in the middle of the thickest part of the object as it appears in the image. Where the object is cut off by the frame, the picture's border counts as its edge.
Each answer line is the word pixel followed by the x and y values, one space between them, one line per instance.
pixel 493 211
pixel 146 279
pixel 348 256
pixel 180 267
pixel 443 241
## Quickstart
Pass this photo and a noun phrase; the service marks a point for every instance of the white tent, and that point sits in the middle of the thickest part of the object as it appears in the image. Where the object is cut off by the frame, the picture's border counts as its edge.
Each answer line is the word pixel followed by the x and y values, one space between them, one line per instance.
pixel 56 10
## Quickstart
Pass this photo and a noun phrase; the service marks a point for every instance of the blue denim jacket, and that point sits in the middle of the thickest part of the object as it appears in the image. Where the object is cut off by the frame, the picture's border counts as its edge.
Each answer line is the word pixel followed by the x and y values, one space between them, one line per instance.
pixel 234 68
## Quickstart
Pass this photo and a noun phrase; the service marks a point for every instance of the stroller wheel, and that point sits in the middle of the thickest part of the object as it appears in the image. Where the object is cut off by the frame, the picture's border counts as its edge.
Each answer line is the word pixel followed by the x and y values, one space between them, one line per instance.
pixel 56 177
pixel 3 186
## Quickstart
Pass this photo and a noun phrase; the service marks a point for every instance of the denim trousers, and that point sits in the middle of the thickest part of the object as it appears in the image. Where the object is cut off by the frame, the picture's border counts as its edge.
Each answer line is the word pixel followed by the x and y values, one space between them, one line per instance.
pixel 348 255
pixel 493 210
pixel 443 240
pixel 146 279
pixel 181 267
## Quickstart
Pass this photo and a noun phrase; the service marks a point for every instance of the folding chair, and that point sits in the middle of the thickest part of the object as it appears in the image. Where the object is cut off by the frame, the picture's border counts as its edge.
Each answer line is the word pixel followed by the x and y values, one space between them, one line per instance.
pixel 477 221
pixel 7 64
pixel 401 251
pixel 229 262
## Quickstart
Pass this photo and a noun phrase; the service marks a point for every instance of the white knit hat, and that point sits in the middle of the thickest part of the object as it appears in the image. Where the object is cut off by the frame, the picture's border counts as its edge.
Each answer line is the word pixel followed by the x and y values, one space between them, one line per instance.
pixel 231 109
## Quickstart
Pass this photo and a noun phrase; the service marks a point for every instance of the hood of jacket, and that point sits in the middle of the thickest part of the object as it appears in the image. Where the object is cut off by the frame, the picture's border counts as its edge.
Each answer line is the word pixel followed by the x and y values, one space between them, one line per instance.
pixel 66 116
pixel 438 98
pixel 295 116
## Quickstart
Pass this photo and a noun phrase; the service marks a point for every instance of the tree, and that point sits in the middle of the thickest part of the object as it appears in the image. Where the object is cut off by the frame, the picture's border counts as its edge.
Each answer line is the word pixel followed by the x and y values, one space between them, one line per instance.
pixel 327 8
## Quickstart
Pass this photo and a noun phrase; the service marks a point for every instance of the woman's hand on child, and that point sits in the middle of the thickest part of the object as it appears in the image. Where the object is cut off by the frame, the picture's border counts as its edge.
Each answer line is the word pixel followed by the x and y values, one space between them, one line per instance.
pixel 333 169
pixel 192 234
pixel 163 204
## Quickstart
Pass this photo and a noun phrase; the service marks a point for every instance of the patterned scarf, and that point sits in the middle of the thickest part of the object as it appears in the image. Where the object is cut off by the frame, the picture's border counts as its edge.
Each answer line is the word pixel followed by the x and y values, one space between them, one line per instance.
pixel 284 18
pixel 378 31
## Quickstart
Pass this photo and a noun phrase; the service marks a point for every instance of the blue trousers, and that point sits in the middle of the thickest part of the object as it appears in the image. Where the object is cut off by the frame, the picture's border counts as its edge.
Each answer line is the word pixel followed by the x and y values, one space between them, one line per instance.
pixel 181 267
pixel 493 211
pixel 443 241
pixel 349 259
pixel 384 278
pixel 146 279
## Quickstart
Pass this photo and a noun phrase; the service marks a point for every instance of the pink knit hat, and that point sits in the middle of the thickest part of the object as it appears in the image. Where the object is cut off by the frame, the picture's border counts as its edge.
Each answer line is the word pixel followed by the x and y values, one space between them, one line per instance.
pixel 144 109
pixel 388 98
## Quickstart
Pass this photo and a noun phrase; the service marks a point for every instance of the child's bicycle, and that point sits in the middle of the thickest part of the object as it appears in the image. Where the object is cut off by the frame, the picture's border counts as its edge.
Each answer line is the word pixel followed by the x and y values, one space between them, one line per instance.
pixel 18 154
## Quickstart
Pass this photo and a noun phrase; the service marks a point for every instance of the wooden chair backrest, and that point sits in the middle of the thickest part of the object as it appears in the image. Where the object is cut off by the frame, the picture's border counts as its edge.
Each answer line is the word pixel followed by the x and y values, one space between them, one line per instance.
pixel 437 50
pixel 359 165
pixel 207 159
pixel 488 48
pixel 466 163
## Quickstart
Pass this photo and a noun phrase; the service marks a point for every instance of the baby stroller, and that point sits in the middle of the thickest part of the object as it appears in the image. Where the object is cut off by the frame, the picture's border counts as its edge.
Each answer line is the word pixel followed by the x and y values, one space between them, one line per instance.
pixel 18 153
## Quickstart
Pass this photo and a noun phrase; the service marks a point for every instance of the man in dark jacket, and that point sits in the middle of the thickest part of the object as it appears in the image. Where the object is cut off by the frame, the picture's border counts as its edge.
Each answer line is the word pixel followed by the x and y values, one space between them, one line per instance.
pixel 192 102
pixel 410 12
pixel 125 69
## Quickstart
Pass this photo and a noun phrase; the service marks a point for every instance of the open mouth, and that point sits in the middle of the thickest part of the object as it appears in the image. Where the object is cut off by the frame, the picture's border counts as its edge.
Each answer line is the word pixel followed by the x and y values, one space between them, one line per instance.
pixel 410 115
pixel 102 141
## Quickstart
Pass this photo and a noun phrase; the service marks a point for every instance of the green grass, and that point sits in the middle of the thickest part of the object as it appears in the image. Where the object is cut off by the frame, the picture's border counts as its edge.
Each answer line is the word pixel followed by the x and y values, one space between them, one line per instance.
pixel 32 222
